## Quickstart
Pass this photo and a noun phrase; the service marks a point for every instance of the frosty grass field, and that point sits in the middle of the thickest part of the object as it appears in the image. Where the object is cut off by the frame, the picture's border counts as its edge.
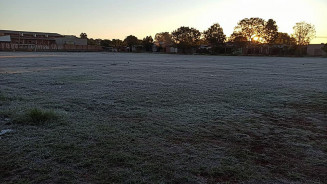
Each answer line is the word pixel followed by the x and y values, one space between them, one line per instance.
pixel 152 118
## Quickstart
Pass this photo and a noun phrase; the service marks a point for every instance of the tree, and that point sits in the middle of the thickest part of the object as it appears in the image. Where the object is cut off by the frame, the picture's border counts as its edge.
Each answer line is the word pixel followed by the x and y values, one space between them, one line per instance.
pixel 163 39
pixel 91 41
pixel 105 43
pixel 117 43
pixel 215 35
pixel 83 35
pixel 304 33
pixel 186 38
pixel 147 43
pixel 238 38
pixel 131 41
pixel 98 41
pixel 324 48
pixel 252 29
pixel 270 32
pixel 284 39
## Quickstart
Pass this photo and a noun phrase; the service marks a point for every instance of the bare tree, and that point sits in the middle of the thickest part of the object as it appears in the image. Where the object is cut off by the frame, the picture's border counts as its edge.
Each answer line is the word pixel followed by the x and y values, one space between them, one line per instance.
pixel 304 33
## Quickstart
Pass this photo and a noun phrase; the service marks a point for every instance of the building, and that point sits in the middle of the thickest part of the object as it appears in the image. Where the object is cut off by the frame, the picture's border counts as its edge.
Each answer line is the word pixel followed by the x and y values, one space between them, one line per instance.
pixel 316 50
pixel 40 41
pixel 37 38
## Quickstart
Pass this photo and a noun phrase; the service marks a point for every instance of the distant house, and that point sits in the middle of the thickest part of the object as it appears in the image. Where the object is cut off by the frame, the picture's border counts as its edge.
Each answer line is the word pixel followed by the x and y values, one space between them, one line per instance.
pixel 315 50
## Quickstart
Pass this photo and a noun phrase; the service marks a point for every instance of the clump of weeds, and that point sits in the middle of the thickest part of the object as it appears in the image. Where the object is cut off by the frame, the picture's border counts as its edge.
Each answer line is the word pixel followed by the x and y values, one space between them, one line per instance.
pixel 37 116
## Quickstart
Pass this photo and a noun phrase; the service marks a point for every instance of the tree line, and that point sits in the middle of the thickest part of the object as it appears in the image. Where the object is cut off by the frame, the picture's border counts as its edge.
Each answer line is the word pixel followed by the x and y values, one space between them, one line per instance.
pixel 249 33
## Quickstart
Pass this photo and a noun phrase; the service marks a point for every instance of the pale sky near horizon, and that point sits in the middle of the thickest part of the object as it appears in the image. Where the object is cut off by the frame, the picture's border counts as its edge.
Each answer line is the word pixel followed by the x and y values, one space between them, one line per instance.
pixel 110 19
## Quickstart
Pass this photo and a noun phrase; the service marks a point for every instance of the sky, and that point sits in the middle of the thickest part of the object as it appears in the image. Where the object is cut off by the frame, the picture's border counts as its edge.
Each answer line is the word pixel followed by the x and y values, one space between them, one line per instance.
pixel 112 19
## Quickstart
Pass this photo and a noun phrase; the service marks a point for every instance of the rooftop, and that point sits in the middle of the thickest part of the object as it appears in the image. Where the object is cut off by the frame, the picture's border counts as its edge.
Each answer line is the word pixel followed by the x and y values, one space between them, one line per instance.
pixel 28 32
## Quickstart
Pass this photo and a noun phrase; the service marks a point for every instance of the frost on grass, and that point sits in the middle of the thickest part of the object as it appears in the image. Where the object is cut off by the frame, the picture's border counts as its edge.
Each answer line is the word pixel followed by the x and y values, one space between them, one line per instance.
pixel 164 119
pixel 3 132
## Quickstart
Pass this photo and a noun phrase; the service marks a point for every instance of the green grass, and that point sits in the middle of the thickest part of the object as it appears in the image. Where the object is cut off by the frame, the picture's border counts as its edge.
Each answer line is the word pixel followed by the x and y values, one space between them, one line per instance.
pixel 3 97
pixel 36 116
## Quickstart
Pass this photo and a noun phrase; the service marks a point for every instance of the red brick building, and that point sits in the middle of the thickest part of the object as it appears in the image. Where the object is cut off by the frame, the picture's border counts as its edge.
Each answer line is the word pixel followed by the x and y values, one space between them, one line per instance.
pixel 37 38
pixel 39 41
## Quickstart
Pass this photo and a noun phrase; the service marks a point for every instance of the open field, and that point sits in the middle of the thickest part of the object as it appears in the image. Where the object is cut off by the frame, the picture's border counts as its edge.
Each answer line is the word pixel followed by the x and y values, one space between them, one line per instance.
pixel 146 118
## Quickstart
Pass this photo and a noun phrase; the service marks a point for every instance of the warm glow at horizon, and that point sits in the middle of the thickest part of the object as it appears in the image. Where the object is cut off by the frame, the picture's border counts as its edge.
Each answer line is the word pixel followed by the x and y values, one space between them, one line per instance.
pixel 256 38
pixel 109 19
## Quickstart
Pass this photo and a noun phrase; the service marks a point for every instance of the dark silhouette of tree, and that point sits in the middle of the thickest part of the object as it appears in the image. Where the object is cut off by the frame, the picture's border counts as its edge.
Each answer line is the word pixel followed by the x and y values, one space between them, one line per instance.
pixel 83 35
pixel 270 32
pixel 163 39
pixel 238 38
pixel 98 41
pixel 105 43
pixel 284 39
pixel 131 41
pixel 147 43
pixel 117 43
pixel 186 38
pixel 215 35
pixel 304 33
pixel 250 28
pixel 324 48
pixel 91 41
